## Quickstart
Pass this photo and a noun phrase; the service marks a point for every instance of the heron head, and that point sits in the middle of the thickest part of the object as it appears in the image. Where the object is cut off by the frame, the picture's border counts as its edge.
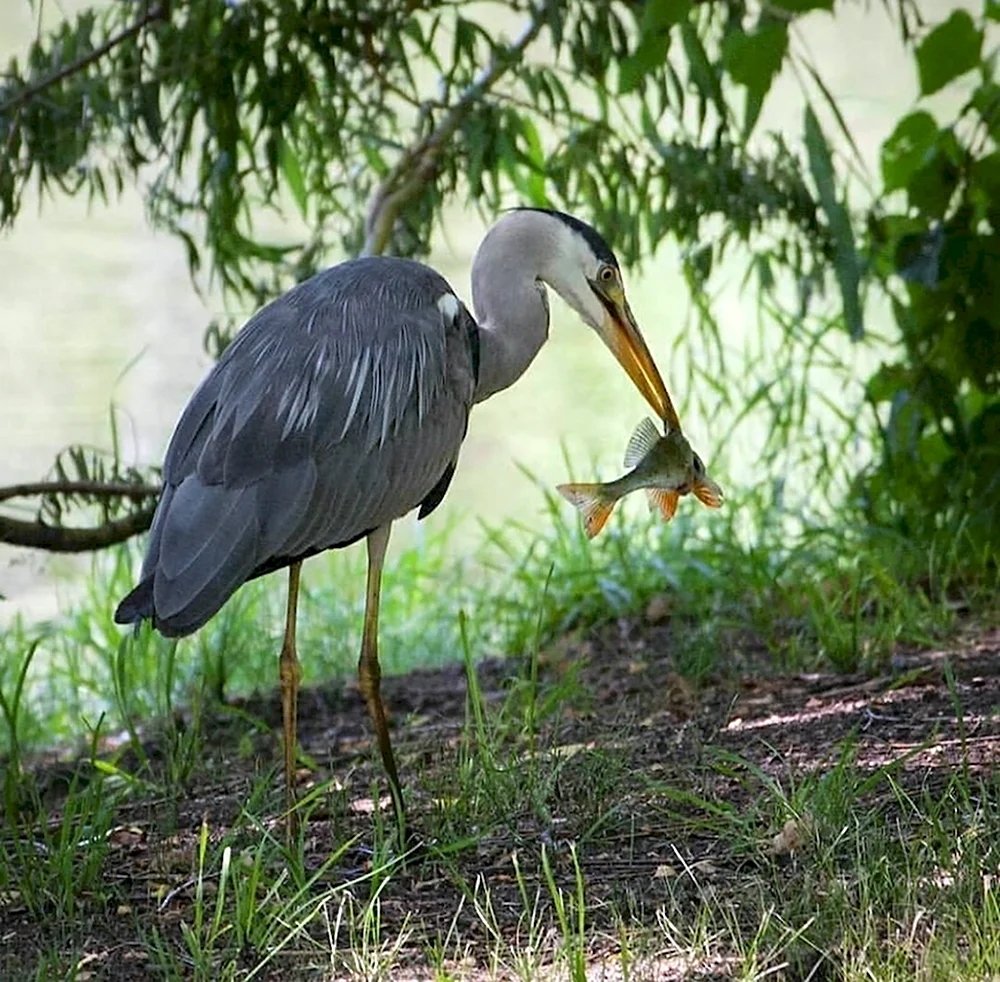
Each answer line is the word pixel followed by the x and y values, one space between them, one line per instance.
pixel 584 271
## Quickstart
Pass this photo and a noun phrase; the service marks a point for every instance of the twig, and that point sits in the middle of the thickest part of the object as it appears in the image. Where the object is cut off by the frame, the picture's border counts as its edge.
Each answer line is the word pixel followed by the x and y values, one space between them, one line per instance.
pixel 160 12
pixel 413 169
pixel 100 489
pixel 36 535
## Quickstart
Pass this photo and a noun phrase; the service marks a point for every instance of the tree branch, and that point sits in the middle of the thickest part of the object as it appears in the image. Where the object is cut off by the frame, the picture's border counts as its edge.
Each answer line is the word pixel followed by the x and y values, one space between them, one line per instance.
pixel 417 165
pixel 98 489
pixel 160 12
pixel 36 535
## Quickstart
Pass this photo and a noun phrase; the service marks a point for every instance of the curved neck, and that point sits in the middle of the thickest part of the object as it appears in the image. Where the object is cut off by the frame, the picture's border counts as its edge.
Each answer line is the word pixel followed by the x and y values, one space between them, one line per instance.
pixel 510 304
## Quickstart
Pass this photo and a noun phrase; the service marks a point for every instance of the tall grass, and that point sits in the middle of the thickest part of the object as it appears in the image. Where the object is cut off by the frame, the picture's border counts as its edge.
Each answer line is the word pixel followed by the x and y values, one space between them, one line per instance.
pixel 811 595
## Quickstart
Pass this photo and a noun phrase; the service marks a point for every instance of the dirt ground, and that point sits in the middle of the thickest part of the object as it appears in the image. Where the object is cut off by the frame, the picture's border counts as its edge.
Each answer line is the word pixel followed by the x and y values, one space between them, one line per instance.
pixel 629 727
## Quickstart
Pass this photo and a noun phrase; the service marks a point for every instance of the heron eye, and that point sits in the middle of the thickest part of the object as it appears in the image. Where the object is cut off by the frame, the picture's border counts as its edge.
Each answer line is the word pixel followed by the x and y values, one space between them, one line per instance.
pixel 606 274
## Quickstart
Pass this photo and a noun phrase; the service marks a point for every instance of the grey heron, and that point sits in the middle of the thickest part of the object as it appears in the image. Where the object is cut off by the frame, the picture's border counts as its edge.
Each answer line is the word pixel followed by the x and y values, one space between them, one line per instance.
pixel 341 406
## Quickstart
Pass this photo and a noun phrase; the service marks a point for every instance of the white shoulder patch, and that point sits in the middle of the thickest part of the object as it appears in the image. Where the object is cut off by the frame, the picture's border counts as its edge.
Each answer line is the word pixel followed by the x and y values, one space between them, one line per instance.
pixel 448 305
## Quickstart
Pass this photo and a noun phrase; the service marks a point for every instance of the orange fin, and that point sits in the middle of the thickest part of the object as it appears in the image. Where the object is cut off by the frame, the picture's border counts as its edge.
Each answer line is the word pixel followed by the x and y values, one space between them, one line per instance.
pixel 594 508
pixel 665 500
pixel 708 492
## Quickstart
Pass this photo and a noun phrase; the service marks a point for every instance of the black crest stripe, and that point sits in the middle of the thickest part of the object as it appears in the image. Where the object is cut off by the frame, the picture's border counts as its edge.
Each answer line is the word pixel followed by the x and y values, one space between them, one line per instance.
pixel 593 238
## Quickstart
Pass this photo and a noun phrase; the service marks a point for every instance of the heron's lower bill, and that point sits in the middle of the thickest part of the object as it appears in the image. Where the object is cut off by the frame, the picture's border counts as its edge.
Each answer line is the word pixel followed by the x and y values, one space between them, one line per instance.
pixel 665 466
pixel 623 337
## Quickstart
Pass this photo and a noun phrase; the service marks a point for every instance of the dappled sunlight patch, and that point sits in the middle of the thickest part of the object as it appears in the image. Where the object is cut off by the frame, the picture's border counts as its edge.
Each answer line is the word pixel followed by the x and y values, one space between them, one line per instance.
pixel 367 806
pixel 697 846
pixel 795 836
pixel 801 716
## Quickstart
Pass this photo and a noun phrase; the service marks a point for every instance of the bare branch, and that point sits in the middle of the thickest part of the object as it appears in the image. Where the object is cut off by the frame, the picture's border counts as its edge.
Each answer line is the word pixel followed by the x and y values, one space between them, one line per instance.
pixel 160 12
pixel 417 165
pixel 97 489
pixel 37 535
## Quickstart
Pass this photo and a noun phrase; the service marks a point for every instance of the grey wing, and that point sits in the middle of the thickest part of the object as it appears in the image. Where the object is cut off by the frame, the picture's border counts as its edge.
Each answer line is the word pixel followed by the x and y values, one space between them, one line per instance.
pixel 338 408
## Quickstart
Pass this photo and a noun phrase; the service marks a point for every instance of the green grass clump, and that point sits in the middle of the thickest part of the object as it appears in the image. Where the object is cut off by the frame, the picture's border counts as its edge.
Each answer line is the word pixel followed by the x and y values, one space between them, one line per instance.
pixel 888 879
pixel 809 596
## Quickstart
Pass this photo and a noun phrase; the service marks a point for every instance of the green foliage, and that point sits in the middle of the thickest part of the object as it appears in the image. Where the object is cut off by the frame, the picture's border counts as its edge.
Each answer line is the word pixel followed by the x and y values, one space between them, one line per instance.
pixel 275 136
pixel 325 108
pixel 953 48
pixel 822 597
pixel 55 867
pixel 323 112
pixel 753 60
pixel 846 263
pixel 934 242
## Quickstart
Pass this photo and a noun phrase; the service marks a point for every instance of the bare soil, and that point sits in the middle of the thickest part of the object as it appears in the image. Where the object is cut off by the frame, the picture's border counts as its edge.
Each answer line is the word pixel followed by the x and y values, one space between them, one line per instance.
pixel 638 759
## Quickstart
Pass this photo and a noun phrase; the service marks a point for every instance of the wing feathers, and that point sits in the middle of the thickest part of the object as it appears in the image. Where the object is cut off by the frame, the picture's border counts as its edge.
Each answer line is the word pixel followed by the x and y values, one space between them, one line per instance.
pixel 190 586
pixel 337 408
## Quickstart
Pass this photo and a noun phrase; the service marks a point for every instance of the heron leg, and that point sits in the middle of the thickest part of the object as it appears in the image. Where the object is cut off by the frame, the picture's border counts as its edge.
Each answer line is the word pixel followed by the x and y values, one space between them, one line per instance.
pixel 369 673
pixel 291 674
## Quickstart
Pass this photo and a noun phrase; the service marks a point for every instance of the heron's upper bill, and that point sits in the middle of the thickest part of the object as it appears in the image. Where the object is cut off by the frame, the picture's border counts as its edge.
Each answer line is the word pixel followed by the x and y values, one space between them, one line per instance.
pixel 621 334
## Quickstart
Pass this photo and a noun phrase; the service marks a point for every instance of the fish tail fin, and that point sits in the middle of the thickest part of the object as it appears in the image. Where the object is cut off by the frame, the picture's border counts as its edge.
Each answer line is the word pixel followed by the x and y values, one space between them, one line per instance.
pixel 664 499
pixel 708 492
pixel 594 506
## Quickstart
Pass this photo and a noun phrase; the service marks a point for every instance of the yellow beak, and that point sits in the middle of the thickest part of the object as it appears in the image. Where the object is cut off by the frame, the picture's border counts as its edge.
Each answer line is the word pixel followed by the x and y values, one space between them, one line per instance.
pixel 621 334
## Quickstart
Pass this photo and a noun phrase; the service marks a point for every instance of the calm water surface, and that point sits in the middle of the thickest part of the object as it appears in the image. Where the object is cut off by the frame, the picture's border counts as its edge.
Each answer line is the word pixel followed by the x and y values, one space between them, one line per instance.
pixel 98 311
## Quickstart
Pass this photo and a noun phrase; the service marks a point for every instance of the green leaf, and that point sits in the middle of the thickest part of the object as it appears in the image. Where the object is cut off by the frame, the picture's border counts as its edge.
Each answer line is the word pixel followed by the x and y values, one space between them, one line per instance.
pixel 292 171
pixel 917 257
pixel 932 186
pixel 701 71
pixel 992 10
pixel 649 55
pixel 887 381
pixel 658 16
pixel 953 48
pixel 985 174
pixel 834 110
pixel 985 101
pixel 536 157
pixel 907 149
pixel 765 274
pixel 846 264
pixel 754 60
pixel 982 350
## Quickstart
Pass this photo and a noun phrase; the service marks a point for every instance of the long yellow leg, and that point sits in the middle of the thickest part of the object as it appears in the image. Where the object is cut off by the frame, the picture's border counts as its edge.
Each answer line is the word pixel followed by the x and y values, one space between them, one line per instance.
pixel 291 674
pixel 369 673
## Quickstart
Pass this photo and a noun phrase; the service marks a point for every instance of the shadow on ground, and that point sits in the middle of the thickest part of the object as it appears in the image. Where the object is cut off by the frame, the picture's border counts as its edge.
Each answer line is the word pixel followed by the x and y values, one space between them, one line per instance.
pixel 653 794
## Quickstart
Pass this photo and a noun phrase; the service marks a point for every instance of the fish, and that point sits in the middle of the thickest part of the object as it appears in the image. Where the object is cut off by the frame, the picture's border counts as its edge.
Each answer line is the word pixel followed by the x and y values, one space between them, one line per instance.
pixel 665 465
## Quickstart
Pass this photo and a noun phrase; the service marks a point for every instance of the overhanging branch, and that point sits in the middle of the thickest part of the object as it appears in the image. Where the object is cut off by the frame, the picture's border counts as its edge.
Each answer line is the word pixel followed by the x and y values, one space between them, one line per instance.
pixel 57 538
pixel 52 538
pixel 94 489
pixel 160 12
pixel 417 165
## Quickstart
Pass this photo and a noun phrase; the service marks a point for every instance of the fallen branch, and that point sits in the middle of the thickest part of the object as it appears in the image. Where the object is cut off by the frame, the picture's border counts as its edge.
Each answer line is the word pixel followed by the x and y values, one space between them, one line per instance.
pixel 37 535
pixel 57 538
pixel 96 489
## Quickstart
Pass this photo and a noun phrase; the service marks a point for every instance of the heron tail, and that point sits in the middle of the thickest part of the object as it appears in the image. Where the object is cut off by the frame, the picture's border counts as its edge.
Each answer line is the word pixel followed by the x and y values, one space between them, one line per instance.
pixel 594 505
pixel 138 605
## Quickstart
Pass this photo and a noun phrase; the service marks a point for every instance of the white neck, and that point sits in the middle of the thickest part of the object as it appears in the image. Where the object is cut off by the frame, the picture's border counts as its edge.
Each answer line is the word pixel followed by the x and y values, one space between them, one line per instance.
pixel 509 298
